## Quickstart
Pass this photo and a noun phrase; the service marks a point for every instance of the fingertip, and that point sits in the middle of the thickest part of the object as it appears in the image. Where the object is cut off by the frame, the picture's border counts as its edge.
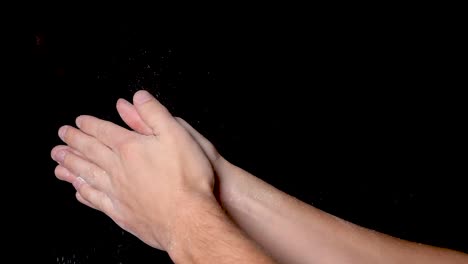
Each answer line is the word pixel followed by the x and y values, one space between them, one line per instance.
pixel 123 106
pixel 79 197
pixel 58 171
pixel 185 125
pixel 56 149
pixel 61 132
pixel 80 119
pixel 141 97
pixel 64 174
pixel 122 102
pixel 180 120
pixel 152 112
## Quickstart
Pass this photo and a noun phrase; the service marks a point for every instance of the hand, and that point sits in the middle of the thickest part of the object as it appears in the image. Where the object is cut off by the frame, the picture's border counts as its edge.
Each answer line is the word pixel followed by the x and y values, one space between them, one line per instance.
pixel 132 118
pixel 141 181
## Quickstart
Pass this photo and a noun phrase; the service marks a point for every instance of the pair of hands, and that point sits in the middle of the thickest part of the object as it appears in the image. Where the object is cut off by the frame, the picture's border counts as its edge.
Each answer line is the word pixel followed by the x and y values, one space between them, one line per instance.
pixel 142 179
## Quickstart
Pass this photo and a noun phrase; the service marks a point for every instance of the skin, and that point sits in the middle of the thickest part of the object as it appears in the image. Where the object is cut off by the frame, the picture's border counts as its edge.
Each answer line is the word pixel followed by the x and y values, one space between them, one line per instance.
pixel 158 186
pixel 290 230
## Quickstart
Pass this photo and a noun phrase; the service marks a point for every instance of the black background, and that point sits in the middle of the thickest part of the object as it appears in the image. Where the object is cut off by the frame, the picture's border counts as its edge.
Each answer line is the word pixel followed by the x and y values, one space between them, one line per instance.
pixel 350 116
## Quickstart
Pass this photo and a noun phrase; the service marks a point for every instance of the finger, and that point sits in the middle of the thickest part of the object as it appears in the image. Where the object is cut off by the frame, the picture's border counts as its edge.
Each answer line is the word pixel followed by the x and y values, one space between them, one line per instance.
pixel 83 200
pixel 64 174
pixel 152 112
pixel 88 146
pixel 97 199
pixel 106 132
pixel 207 147
pixel 89 171
pixel 67 148
pixel 130 116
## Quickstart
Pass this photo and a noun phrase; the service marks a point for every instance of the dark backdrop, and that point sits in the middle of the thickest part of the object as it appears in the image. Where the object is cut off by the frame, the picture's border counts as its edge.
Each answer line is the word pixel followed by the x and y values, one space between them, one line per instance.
pixel 350 117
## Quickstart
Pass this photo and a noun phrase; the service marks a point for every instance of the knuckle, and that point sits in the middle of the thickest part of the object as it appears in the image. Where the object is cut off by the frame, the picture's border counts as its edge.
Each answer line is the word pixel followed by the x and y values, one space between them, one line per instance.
pixel 90 149
pixel 91 196
pixel 102 128
pixel 129 146
pixel 122 219
pixel 83 188
pixel 90 176
pixel 103 203
pixel 106 204
pixel 99 198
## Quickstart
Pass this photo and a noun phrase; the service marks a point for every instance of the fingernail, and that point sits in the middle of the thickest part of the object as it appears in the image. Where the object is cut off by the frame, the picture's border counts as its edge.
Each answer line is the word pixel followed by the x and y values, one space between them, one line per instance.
pixel 78 121
pixel 141 97
pixel 78 182
pixel 125 102
pixel 60 156
pixel 62 131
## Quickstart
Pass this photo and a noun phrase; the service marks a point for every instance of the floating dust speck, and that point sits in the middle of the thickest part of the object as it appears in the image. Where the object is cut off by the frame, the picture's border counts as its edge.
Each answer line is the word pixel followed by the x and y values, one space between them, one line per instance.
pixel 102 76
pixel 151 70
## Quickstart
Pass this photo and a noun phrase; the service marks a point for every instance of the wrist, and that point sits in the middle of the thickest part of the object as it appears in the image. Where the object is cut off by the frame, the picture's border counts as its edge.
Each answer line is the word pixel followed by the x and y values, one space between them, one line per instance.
pixel 193 214
pixel 234 185
pixel 205 234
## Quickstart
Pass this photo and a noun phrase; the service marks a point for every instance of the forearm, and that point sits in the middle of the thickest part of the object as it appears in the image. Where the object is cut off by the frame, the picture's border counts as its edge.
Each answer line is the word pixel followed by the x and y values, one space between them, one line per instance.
pixel 295 232
pixel 204 234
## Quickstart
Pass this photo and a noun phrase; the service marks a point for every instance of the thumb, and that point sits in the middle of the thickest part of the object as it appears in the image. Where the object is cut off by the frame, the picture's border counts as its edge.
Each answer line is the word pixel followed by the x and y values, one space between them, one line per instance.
pixel 130 116
pixel 152 112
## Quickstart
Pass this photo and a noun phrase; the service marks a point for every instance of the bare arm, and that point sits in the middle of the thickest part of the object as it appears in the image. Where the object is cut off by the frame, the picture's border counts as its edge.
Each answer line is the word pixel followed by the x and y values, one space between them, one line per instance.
pixel 157 186
pixel 296 232
pixel 293 231
pixel 206 235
